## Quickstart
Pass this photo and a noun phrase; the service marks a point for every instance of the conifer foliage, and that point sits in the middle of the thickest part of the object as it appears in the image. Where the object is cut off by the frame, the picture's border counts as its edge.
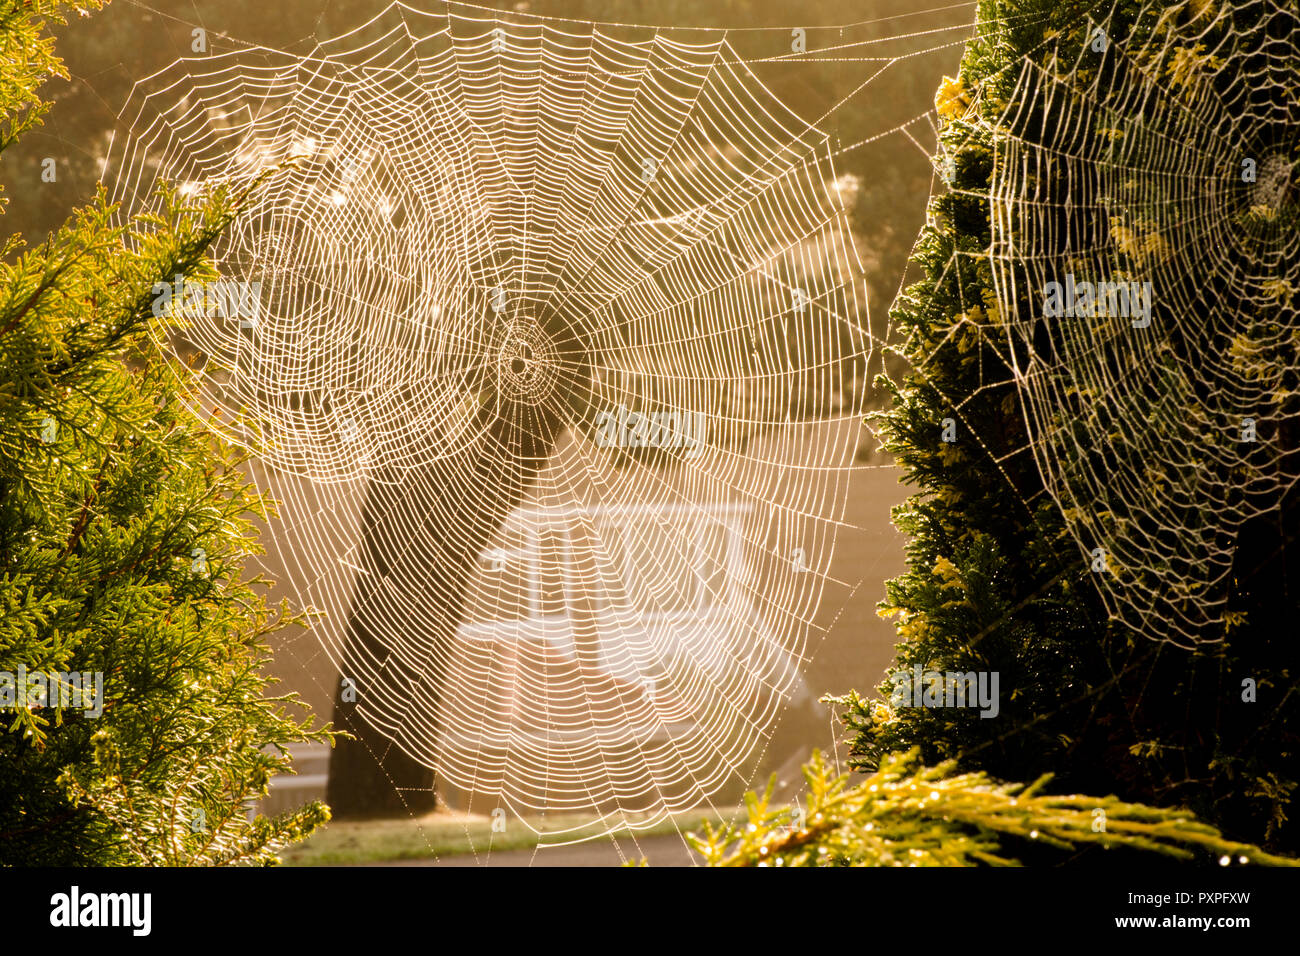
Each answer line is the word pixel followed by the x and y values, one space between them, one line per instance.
pixel 994 581
pixel 124 525
pixel 906 814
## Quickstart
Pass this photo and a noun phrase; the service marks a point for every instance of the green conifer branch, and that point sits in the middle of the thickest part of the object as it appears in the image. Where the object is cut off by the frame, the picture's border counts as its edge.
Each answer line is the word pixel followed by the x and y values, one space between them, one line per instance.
pixel 907 814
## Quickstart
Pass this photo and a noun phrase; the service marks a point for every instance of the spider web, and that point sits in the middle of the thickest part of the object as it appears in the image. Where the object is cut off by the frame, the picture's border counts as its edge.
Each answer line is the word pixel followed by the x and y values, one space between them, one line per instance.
pixel 1159 431
pixel 1160 442
pixel 557 375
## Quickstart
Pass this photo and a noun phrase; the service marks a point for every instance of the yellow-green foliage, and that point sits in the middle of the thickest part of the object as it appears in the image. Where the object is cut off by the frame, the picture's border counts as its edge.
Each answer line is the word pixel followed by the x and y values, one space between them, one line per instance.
pixel 906 814
pixel 109 489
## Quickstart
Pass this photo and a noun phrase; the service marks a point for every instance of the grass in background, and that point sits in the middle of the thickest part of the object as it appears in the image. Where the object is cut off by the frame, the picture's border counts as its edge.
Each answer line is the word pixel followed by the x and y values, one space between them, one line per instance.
pixel 449 833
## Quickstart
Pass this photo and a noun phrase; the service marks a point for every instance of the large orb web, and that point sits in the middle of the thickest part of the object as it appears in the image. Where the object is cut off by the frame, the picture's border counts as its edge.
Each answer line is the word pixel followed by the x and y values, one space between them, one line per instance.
pixel 1160 160
pixel 553 378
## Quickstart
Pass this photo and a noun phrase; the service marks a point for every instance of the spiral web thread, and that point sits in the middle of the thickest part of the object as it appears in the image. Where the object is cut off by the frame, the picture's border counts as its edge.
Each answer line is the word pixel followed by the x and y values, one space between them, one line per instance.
pixel 480 243
pixel 1160 435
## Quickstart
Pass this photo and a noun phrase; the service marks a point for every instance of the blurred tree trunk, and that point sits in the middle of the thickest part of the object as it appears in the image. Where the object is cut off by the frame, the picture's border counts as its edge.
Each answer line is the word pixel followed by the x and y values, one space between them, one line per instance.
pixel 423 531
